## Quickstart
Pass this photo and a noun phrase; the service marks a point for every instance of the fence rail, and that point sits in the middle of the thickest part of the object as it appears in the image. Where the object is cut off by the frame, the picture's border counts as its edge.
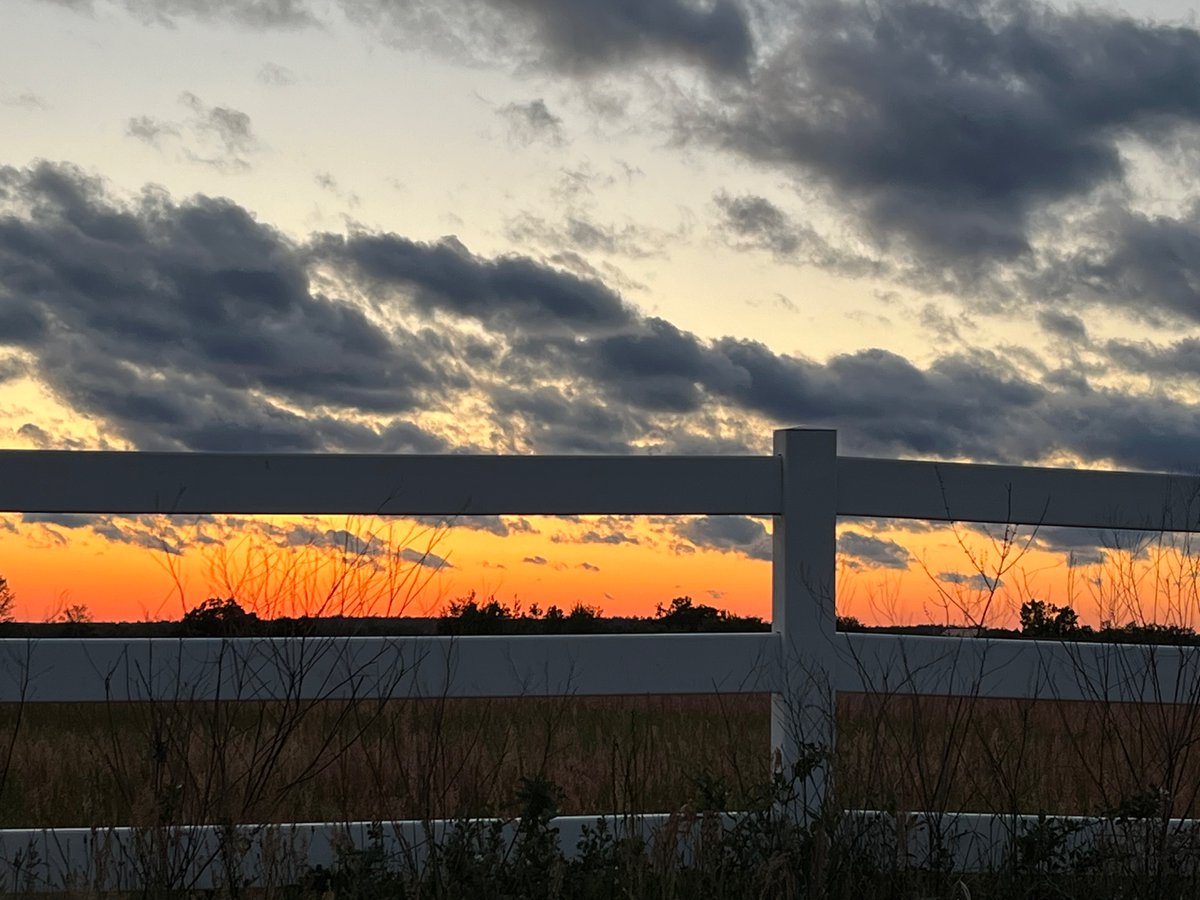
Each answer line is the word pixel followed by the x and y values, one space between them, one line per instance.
pixel 134 669
pixel 805 486
pixel 358 484
pixel 968 492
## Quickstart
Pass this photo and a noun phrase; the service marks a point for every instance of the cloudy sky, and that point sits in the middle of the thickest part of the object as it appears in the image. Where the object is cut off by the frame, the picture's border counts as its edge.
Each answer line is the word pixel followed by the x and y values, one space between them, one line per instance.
pixel 959 230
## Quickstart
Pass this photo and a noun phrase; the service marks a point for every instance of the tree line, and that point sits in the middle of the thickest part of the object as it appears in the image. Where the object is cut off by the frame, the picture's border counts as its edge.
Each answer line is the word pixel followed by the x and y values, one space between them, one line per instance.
pixel 226 617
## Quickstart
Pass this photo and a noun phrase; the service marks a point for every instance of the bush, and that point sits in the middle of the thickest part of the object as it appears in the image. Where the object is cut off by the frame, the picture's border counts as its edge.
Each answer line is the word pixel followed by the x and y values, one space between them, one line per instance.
pixel 220 618
pixel 1042 619
pixel 685 615
pixel 468 616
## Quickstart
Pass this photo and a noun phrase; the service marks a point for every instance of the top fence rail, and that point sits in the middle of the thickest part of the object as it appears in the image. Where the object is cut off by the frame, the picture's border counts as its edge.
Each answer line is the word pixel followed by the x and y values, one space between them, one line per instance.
pixel 38 481
pixel 184 483
pixel 1020 495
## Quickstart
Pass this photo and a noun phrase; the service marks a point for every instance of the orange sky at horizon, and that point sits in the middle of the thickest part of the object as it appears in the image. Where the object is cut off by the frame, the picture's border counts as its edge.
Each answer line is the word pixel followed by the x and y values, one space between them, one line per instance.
pixel 121 582
pixel 289 566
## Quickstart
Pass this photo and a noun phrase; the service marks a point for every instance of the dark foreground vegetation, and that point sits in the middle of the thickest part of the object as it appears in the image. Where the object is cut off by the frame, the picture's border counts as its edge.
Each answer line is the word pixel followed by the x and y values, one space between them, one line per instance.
pixel 159 766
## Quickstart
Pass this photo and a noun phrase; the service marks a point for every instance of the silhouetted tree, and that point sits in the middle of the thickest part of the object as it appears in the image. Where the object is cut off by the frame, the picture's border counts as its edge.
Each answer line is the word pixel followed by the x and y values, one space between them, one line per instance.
pixel 1149 633
pixel 582 619
pixel 217 617
pixel 684 614
pixel 1042 619
pixel 468 616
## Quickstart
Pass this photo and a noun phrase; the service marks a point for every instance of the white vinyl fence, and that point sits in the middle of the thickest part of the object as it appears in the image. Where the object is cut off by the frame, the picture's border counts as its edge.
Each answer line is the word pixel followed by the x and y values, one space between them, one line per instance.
pixel 803 661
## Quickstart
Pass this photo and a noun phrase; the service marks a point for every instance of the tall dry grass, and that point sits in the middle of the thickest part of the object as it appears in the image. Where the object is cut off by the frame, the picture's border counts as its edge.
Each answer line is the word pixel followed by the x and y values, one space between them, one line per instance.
pixel 84 764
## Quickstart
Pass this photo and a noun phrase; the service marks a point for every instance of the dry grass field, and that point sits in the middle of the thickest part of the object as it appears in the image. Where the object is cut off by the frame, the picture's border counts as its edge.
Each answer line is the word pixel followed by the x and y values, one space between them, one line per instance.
pixel 144 764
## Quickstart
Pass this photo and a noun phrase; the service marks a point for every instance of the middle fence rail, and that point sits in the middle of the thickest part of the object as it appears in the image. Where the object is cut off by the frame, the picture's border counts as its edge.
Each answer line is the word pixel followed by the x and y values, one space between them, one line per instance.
pixel 803 662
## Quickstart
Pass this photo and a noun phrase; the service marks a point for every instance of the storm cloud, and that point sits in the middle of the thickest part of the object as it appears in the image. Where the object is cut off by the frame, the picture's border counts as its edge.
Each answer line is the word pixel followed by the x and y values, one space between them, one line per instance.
pixel 508 293
pixel 574 36
pixel 739 534
pixel 952 125
pixel 193 325
pixel 975 582
pixel 872 552
pixel 578 37
pixel 751 221
pixel 1124 260
pixel 262 14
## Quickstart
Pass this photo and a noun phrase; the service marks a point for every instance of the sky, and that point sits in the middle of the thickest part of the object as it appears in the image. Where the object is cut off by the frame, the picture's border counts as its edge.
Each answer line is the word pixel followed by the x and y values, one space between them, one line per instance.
pixel 950 230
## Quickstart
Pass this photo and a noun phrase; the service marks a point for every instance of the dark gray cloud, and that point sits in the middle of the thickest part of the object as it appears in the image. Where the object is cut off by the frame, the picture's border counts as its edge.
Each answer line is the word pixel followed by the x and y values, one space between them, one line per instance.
pixel 612 537
pixel 574 36
pixel 950 125
pixel 1145 266
pixel 36 435
pixel 150 130
pixel 231 127
pixel 216 136
pixel 147 532
pixel 1063 324
pixel 976 582
pixel 1082 546
pixel 262 14
pixel 194 326
pixel 751 221
pixel 1094 546
pixel 975 404
pixel 579 232
pixel 424 558
pixel 507 294
pixel 608 535
pixel 535 560
pixel 584 34
pixel 174 534
pixel 909 526
pixel 44 440
pixel 566 421
pixel 11 368
pixel 532 122
pixel 655 366
pixel 737 534
pixel 62 520
pixel 762 223
pixel 952 133
pixel 346 542
pixel 1177 360
pixel 496 525
pixel 872 552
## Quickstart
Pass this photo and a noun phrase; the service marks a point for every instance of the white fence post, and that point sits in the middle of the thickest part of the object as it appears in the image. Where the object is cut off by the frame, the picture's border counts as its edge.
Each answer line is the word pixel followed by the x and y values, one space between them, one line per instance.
pixel 803 612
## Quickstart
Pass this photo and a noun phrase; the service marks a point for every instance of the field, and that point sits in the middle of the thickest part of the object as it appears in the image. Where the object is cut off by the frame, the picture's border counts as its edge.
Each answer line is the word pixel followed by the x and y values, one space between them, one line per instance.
pixel 146 764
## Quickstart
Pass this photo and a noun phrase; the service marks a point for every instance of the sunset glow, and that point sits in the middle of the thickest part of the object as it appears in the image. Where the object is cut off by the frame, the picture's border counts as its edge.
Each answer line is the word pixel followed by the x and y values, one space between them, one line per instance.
pixel 890 572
